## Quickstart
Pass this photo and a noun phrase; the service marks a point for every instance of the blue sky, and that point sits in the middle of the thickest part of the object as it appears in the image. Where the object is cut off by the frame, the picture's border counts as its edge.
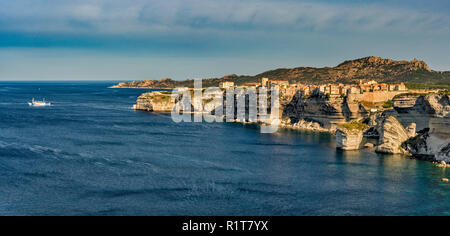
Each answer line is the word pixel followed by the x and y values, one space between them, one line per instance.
pixel 152 39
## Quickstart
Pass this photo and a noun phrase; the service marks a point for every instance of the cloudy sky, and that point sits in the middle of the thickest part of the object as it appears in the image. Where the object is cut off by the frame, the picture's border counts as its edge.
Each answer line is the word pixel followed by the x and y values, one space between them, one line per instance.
pixel 151 39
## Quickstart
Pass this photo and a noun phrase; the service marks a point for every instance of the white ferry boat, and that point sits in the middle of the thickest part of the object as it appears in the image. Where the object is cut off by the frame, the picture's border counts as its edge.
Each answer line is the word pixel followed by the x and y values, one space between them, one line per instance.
pixel 43 103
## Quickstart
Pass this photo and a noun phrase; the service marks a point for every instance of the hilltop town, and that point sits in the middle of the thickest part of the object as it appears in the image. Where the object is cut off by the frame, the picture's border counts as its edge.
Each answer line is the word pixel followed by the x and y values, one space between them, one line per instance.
pixel 367 92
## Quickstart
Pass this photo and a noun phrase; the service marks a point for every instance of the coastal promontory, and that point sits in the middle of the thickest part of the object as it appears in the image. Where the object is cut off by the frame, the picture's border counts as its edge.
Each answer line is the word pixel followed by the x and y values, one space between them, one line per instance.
pixel 396 118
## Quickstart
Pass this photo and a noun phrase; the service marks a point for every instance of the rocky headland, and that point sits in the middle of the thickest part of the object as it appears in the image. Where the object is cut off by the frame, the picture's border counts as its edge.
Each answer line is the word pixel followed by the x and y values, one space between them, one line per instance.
pixel 321 111
pixel 392 136
pixel 416 125
pixel 432 114
pixel 397 121
pixel 349 136
pixel 155 101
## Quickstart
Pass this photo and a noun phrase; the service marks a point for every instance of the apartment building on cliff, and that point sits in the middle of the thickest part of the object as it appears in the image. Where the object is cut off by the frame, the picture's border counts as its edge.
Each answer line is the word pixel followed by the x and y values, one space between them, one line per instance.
pixel 370 91
pixel 226 84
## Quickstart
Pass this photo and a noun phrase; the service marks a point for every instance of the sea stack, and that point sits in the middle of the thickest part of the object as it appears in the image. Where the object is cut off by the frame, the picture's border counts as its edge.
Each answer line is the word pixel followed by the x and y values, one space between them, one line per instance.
pixel 392 136
pixel 349 136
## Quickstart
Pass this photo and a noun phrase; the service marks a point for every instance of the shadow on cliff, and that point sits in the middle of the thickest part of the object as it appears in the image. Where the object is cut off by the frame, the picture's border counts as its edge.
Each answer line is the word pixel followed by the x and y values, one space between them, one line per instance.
pixel 308 108
pixel 425 109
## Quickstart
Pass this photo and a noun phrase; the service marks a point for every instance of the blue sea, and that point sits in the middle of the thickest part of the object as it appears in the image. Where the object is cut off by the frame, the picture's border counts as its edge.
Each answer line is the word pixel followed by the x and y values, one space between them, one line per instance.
pixel 91 154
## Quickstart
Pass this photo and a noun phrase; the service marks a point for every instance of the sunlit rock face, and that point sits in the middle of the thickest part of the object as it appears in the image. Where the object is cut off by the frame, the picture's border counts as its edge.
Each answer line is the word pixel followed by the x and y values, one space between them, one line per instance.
pixel 418 124
pixel 411 130
pixel 346 140
pixel 143 104
pixel 154 101
pixel 432 114
pixel 392 136
pixel 433 144
pixel 303 125
pixel 424 110
pixel 328 111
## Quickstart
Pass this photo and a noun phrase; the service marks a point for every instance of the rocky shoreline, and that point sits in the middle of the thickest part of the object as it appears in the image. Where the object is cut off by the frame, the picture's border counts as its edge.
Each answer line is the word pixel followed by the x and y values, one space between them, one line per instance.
pixel 417 125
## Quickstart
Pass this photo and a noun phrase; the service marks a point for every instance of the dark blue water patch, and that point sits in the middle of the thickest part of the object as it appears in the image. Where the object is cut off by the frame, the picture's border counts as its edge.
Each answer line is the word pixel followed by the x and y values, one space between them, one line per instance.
pixel 107 212
pixel 91 154
pixel 98 142
pixel 163 192
pixel 262 192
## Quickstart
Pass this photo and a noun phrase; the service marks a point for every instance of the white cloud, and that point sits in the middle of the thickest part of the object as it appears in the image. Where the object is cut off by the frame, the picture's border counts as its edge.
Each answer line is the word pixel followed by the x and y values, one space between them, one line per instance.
pixel 148 16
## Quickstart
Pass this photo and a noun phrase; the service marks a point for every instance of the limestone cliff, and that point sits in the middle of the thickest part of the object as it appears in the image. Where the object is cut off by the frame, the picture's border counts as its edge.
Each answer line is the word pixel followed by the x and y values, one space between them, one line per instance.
pixel 425 110
pixel 427 113
pixel 303 125
pixel 433 110
pixel 154 101
pixel 165 83
pixel 349 136
pixel 392 136
pixel 326 111
pixel 430 146
pixel 319 112
pixel 316 112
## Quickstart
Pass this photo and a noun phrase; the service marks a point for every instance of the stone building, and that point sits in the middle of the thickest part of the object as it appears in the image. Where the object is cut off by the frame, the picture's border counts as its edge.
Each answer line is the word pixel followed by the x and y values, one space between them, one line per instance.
pixel 265 82
pixel 279 83
pixel 227 84
pixel 252 84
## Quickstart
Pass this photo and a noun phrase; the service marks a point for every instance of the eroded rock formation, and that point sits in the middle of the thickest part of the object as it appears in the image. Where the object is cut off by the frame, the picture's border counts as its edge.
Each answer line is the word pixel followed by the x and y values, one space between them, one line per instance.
pixel 303 125
pixel 392 136
pixel 154 101
pixel 327 111
pixel 430 146
pixel 432 114
pixel 417 124
pixel 421 109
pixel 350 135
pixel 348 140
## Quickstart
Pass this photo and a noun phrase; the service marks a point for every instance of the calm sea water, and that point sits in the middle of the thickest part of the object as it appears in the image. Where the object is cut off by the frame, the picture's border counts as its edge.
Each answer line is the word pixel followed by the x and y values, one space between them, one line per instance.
pixel 91 154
